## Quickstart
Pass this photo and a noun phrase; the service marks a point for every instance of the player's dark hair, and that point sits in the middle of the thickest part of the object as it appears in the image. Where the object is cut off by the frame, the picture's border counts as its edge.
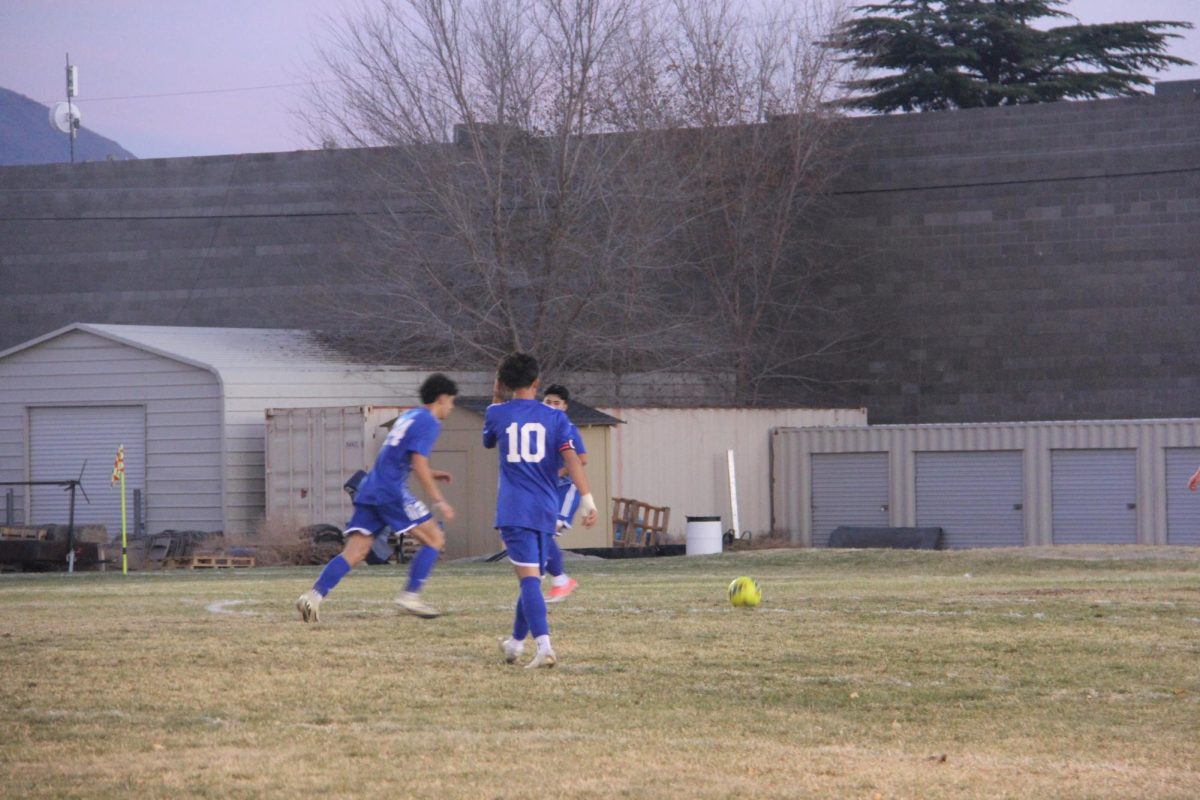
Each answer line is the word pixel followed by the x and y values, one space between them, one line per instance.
pixel 435 386
pixel 518 371
pixel 558 390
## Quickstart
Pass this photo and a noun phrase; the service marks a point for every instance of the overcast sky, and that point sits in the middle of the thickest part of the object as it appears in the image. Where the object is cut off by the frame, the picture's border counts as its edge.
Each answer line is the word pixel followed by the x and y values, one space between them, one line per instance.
pixel 188 77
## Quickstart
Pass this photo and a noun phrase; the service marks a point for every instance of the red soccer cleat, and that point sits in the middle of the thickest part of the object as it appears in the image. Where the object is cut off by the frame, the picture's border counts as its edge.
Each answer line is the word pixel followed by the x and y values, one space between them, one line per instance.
pixel 559 593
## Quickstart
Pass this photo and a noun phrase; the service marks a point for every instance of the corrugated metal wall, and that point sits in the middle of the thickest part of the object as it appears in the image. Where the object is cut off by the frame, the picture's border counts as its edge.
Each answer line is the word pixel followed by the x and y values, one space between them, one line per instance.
pixel 678 458
pixel 182 429
pixel 1148 440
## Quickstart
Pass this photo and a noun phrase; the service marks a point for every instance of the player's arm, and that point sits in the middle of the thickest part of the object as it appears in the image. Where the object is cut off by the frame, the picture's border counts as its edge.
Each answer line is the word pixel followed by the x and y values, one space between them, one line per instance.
pixel 582 460
pixel 489 434
pixel 1194 481
pixel 587 506
pixel 577 440
pixel 428 480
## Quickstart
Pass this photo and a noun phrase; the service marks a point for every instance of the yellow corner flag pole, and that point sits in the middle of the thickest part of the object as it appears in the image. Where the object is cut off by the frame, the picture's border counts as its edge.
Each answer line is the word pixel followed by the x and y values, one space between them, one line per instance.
pixel 119 475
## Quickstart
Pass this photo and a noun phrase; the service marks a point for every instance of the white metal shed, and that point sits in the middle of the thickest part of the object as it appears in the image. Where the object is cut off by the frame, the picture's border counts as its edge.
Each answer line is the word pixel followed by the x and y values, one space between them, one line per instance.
pixel 186 402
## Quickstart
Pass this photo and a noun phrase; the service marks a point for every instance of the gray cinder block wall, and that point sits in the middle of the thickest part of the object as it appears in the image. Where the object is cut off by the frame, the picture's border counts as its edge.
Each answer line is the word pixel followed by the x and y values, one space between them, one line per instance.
pixel 1028 263
pixel 247 240
pixel 1035 262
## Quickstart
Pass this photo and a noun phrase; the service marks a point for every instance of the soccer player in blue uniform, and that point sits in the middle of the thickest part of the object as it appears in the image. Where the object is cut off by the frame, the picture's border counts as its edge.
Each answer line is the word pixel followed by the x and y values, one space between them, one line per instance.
pixel 562 584
pixel 383 499
pixel 531 438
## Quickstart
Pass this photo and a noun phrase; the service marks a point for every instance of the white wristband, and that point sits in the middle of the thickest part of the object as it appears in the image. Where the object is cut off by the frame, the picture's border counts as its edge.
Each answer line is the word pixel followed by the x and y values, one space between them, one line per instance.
pixel 586 504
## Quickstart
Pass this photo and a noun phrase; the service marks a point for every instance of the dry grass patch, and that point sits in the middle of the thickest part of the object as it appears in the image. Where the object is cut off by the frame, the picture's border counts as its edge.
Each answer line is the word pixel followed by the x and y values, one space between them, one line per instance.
pixel 865 673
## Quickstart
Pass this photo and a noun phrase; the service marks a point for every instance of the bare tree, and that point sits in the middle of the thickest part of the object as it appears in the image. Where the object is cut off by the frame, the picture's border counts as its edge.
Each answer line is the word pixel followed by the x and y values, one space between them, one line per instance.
pixel 613 184
pixel 752 92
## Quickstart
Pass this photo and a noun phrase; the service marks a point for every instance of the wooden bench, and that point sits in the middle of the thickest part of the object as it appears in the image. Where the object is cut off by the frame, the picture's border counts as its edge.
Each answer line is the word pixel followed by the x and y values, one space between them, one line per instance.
pixel 638 524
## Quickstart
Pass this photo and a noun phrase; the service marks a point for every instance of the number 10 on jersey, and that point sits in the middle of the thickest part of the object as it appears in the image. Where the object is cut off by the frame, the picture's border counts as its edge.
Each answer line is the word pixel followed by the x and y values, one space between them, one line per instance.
pixel 526 442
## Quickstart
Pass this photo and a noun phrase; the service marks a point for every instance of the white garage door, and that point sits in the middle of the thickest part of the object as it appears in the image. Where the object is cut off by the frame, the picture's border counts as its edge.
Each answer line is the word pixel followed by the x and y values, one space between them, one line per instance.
pixel 848 489
pixel 1183 506
pixel 976 498
pixel 63 439
pixel 1094 496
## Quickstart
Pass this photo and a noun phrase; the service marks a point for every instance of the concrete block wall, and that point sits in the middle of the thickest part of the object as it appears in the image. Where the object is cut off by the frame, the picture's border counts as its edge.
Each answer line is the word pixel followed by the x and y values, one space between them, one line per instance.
pixel 1034 262
pixel 248 240
pixel 1038 262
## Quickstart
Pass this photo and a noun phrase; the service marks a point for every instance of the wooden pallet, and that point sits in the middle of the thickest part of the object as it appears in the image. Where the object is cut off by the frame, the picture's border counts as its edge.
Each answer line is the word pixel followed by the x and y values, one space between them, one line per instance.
pixel 638 524
pixel 26 532
pixel 208 562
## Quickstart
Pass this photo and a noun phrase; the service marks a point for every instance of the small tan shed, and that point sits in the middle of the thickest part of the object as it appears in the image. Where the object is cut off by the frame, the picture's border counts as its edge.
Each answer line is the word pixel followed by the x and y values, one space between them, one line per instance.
pixel 476 472
pixel 310 452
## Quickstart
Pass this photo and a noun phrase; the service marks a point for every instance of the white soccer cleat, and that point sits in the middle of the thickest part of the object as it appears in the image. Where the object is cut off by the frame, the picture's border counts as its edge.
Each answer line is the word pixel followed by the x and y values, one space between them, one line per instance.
pixel 544 658
pixel 413 604
pixel 309 606
pixel 512 650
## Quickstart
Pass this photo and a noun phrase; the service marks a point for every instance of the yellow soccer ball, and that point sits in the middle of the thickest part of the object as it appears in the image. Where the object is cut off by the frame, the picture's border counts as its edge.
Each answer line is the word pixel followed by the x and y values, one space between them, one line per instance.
pixel 744 592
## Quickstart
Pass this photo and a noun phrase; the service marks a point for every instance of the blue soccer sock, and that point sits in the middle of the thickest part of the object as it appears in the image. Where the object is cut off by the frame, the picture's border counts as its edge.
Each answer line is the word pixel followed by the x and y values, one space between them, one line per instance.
pixel 520 626
pixel 422 565
pixel 554 559
pixel 534 606
pixel 334 571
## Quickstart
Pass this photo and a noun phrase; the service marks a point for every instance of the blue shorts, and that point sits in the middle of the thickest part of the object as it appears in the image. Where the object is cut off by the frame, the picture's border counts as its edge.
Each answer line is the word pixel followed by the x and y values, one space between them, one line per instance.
pixel 568 504
pixel 526 547
pixel 374 519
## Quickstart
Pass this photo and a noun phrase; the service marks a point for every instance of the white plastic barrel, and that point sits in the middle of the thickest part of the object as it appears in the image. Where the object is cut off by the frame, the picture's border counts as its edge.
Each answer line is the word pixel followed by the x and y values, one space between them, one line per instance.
pixel 703 535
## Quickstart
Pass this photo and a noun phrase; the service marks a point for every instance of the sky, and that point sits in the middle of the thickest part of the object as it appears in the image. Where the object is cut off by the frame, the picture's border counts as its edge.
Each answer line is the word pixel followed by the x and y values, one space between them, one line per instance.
pixel 168 78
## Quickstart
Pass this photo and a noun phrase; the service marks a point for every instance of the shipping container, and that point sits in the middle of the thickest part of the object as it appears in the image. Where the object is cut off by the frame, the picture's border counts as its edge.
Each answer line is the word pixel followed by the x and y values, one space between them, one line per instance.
pixel 312 452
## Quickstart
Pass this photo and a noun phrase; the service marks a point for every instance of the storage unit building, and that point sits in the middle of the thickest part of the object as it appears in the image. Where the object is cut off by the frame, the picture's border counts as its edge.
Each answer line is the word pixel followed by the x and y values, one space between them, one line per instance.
pixel 993 484
pixel 187 404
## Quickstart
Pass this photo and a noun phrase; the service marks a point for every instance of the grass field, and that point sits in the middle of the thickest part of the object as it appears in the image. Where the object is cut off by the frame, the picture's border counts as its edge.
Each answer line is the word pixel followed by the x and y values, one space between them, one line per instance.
pixel 866 674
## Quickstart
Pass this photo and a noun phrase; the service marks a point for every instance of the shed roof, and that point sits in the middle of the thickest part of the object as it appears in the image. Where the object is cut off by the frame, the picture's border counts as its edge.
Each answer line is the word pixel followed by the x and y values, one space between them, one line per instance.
pixel 259 367
pixel 240 353
pixel 219 349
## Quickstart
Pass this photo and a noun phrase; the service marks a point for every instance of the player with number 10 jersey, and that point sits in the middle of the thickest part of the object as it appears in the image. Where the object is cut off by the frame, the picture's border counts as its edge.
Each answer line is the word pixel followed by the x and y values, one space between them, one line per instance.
pixel 530 438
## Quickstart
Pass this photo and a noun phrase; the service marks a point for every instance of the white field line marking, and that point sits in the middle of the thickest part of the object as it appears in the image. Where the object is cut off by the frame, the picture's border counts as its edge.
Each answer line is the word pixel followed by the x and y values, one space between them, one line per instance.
pixel 224 607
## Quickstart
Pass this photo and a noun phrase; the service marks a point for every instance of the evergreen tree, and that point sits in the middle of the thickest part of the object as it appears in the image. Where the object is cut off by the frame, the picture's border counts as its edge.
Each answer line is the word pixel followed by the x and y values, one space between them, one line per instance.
pixel 970 53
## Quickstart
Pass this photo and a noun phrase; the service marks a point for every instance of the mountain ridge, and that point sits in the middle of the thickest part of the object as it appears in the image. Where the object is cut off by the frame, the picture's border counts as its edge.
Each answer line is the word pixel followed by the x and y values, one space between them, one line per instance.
pixel 26 136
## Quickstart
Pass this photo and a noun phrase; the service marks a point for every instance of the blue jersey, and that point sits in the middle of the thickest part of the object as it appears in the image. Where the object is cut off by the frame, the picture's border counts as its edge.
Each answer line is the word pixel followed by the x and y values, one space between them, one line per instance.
pixel 414 431
pixel 529 436
pixel 564 481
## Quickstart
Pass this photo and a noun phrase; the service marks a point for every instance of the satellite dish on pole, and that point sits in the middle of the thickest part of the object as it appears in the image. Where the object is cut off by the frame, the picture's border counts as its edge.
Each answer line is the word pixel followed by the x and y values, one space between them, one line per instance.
pixel 65 117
